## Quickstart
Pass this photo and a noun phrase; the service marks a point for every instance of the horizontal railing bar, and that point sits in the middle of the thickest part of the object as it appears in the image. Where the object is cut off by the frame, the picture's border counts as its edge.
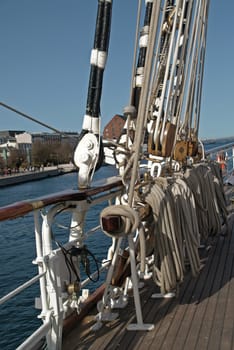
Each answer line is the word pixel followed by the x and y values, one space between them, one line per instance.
pixel 34 339
pixel 92 230
pixel 21 288
pixel 220 148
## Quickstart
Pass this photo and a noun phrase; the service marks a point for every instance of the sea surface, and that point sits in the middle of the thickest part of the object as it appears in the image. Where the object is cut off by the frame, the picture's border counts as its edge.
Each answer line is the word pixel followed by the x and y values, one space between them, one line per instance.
pixel 18 317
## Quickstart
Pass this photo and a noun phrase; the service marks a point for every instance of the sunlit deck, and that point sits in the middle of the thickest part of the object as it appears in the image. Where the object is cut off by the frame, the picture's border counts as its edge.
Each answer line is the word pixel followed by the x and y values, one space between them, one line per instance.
pixel 200 317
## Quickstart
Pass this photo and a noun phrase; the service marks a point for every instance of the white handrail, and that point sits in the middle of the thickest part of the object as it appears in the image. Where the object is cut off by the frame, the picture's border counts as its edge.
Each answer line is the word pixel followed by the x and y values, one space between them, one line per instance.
pixel 220 148
pixel 46 259
pixel 34 339
pixel 21 288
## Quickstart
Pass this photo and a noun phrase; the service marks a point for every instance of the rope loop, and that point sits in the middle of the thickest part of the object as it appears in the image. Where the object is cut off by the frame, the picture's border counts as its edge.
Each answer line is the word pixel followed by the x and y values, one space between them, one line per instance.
pixel 129 219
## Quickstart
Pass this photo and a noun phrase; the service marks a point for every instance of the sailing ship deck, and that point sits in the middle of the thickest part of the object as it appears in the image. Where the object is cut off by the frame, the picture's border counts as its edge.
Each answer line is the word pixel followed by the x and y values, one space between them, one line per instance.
pixel 200 317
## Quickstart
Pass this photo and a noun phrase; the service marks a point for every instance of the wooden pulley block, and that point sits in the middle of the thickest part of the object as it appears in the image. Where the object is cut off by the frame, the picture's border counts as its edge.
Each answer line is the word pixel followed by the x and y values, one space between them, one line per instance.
pixel 192 148
pixel 163 149
pixel 168 139
pixel 154 146
pixel 181 151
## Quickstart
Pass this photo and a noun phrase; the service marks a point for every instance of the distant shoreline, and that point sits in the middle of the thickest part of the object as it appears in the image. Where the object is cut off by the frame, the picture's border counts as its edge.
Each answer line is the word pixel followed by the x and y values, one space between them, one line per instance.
pixel 28 176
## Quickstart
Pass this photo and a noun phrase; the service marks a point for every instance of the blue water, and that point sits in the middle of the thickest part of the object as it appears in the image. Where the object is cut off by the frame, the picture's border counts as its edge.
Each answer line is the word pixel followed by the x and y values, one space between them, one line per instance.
pixel 18 317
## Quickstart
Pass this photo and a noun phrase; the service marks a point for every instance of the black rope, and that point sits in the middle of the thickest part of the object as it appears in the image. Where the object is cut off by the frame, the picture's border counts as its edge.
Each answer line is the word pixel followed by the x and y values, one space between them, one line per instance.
pixel 84 252
pixel 69 262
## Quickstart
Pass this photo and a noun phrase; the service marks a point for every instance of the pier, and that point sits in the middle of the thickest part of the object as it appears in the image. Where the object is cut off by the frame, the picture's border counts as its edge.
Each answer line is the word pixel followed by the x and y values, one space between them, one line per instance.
pixel 22 177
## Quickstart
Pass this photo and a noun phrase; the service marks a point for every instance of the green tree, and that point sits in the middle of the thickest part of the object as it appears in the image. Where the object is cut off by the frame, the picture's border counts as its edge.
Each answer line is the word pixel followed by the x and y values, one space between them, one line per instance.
pixel 16 158
pixel 40 153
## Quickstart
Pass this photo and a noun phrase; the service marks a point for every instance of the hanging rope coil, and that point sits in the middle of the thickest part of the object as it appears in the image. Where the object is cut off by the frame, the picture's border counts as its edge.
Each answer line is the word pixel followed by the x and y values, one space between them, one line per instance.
pixel 185 208
pixel 168 263
pixel 206 183
pixel 187 222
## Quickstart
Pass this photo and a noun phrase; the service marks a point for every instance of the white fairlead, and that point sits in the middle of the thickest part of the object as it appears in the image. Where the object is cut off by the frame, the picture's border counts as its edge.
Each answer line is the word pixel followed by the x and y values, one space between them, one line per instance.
pixel 85 158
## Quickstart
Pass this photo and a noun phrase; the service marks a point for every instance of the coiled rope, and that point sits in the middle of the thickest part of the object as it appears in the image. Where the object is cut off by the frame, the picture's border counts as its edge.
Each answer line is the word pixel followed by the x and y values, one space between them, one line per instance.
pixel 206 183
pixel 173 210
pixel 185 208
pixel 129 219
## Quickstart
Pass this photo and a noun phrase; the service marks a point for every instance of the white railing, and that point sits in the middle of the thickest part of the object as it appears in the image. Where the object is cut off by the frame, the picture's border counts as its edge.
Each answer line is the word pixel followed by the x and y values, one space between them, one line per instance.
pixel 223 154
pixel 56 301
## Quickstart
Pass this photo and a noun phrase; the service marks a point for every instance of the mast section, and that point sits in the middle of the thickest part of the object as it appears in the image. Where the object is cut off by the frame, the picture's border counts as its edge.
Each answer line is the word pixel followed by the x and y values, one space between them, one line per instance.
pixel 88 155
pixel 167 100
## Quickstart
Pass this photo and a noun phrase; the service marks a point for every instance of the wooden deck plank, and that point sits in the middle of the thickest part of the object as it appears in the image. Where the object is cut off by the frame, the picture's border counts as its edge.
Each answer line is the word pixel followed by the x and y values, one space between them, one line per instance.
pixel 187 307
pixel 161 337
pixel 220 290
pixel 151 314
pixel 228 292
pixel 202 317
pixel 227 339
pixel 200 308
pixel 180 307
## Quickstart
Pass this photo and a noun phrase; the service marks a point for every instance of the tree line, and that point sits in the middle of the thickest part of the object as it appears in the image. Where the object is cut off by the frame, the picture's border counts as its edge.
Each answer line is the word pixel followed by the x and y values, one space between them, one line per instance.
pixel 41 154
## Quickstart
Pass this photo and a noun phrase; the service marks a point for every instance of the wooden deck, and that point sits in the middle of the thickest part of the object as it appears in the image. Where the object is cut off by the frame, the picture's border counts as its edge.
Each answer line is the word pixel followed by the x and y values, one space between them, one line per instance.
pixel 200 317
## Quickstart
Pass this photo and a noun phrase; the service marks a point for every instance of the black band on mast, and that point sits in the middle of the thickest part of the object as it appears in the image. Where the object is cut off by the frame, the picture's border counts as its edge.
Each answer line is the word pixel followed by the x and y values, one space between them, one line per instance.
pixel 142 56
pixel 98 60
pixel 93 70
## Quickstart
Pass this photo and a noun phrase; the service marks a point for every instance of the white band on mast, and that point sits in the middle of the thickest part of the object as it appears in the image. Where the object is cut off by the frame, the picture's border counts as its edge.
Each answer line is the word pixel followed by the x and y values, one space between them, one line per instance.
pixel 143 41
pixel 91 124
pixel 98 58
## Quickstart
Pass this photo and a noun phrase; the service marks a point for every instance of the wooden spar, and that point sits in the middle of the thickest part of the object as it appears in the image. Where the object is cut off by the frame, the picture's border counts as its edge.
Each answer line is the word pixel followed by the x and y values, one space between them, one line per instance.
pixel 71 321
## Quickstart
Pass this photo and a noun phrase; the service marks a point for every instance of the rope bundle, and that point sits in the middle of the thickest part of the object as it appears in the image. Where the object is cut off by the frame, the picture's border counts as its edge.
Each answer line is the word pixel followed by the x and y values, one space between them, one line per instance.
pixel 206 183
pixel 173 211
pixel 184 209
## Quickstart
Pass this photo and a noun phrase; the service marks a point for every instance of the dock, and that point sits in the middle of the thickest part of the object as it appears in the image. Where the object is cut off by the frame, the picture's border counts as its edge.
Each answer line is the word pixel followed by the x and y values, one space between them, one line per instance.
pixel 27 176
pixel 200 317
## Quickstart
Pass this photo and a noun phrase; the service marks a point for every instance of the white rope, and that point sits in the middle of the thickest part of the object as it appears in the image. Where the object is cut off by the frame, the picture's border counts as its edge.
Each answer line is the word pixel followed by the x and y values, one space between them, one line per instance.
pixel 129 217
pixel 206 183
pixel 184 209
pixel 168 254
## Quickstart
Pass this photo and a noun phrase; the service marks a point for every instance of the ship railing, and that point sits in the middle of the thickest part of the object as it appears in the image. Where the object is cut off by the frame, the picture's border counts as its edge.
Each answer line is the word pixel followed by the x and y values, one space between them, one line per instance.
pixel 54 277
pixel 224 155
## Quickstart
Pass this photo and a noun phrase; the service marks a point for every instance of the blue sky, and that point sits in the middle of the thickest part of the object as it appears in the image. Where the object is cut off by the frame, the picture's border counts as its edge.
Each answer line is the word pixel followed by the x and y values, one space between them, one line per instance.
pixel 44 63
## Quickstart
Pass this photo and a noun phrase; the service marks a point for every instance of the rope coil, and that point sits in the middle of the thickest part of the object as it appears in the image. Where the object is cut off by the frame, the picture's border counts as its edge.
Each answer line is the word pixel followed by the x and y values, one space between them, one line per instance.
pixel 129 220
pixel 185 209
